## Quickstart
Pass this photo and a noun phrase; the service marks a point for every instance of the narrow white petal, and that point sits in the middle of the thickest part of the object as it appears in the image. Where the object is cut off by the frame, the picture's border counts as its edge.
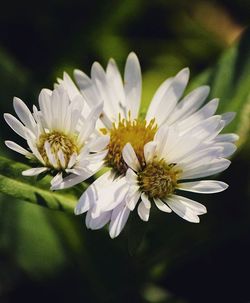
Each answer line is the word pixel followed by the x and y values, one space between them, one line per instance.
pixel 189 104
pixel 50 155
pixel 98 144
pixel 61 158
pixel 115 79
pixel 216 166
pixel 44 100
pixel 162 206
pixel 204 113
pixel 90 196
pixel 203 187
pixel 118 220
pixel 70 86
pixel 87 88
pixel 89 125
pixel 228 149
pixel 226 138
pixel 34 171
pixel 153 106
pixel 72 160
pixel 167 102
pixel 99 222
pixel 228 117
pixel 56 180
pixel 131 177
pixel 143 211
pixel 24 113
pixel 12 145
pixel 149 151
pixel 129 156
pixel 132 85
pixel 133 197
pixel 205 128
pixel 196 207
pixel 16 125
pixel 182 210
pixel 145 201
pixel 111 104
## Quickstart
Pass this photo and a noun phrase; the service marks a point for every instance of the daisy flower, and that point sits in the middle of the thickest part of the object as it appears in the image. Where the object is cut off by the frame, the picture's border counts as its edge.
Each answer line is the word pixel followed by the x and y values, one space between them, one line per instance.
pixel 110 198
pixel 60 137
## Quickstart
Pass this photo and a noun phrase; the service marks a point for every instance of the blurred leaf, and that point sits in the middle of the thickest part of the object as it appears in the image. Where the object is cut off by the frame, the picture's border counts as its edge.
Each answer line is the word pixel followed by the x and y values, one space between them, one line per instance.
pixel 230 81
pixel 28 189
pixel 136 232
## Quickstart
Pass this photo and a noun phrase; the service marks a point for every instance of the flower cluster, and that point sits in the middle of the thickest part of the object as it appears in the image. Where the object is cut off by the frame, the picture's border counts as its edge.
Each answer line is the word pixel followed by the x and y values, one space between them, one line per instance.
pixel 152 160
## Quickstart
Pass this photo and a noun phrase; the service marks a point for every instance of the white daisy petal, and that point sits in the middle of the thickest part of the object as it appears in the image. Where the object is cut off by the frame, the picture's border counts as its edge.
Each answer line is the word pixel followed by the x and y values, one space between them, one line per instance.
pixel 90 196
pixel 34 171
pixel 130 157
pixel 131 177
pixel 226 138
pixel 50 155
pixel 99 222
pixel 152 110
pixel 169 98
pixel 98 144
pixel 16 125
pixel 12 145
pixel 132 197
pixel 24 113
pixel 182 210
pixel 228 117
pixel 203 187
pixel 228 149
pixel 162 206
pixel 72 160
pixel 144 209
pixel 149 151
pixel 216 166
pixel 56 180
pixel 111 105
pixel 189 104
pixel 61 158
pixel 132 86
pixel 196 207
pixel 118 220
pixel 115 79
pixel 205 112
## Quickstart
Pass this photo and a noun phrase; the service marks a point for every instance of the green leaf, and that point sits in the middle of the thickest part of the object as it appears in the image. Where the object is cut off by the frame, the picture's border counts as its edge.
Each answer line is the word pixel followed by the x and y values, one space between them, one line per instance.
pixel 28 189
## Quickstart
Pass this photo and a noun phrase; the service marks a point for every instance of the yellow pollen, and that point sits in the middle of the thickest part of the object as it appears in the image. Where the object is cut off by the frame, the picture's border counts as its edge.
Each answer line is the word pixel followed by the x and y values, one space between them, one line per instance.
pixel 136 132
pixel 58 141
pixel 158 179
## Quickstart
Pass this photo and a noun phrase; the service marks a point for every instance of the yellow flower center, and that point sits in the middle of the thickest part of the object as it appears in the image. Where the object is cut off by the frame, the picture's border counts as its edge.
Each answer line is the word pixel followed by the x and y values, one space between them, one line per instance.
pixel 158 179
pixel 137 133
pixel 58 141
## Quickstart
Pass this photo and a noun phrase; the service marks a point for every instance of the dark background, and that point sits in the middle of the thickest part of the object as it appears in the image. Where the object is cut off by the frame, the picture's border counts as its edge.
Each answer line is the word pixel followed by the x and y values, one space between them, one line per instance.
pixel 50 256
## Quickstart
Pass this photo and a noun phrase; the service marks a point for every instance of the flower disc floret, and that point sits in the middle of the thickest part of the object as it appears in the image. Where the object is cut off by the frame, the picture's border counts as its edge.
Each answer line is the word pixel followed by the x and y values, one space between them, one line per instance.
pixel 58 143
pixel 137 132
pixel 158 179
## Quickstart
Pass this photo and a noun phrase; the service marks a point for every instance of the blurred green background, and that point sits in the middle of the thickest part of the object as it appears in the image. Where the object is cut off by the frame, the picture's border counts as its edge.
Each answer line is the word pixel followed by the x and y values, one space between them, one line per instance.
pixel 48 255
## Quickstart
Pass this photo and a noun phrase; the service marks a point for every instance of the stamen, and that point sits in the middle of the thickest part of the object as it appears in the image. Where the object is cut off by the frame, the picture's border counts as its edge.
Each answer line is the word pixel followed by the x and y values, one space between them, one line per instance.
pixel 158 179
pixel 136 132
pixel 62 147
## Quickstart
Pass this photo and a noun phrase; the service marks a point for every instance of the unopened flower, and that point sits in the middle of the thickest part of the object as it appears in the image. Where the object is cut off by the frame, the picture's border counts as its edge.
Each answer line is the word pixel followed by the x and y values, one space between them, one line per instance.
pixel 112 196
pixel 60 138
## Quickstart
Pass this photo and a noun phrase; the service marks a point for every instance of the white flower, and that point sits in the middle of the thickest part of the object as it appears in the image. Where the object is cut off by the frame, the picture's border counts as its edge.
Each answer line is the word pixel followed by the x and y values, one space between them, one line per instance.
pixel 60 137
pixel 170 161
pixel 108 198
